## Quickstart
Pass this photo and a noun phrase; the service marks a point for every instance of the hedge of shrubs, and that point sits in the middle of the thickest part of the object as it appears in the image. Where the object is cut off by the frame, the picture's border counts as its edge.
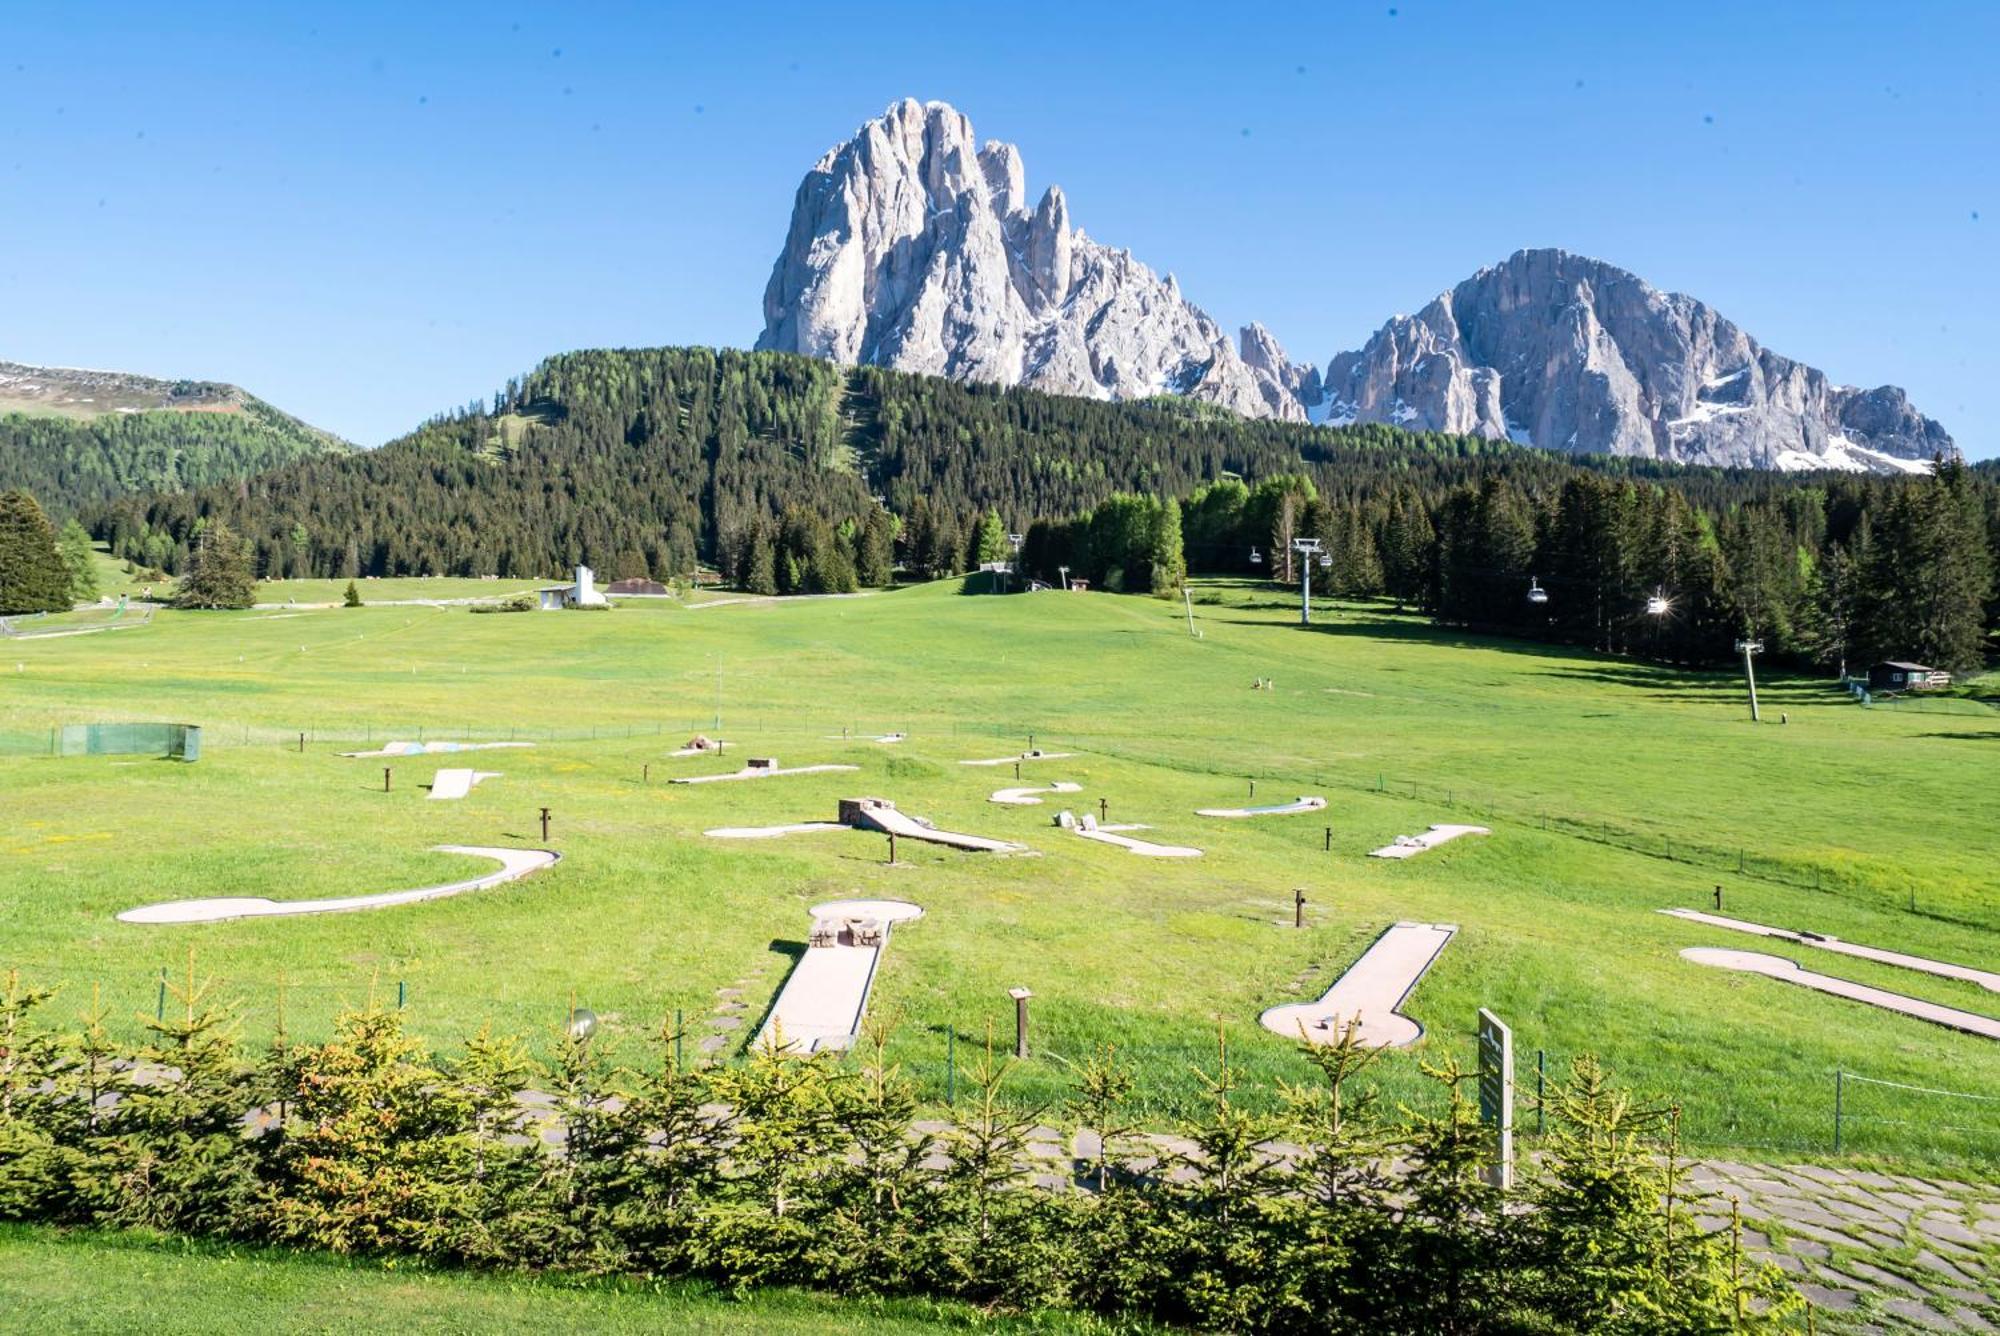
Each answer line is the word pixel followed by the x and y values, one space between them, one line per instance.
pixel 1335 1214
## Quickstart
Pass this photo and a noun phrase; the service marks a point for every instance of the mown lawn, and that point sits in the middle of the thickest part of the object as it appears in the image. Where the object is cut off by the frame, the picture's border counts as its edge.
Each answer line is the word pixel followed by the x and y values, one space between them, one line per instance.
pixel 1601 779
pixel 105 1282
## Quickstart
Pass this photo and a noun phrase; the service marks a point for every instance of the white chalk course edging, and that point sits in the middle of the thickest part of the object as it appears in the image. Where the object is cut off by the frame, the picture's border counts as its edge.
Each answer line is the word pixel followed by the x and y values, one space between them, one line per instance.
pixel 455 783
pixel 1409 846
pixel 1986 979
pixel 1025 797
pixel 761 772
pixel 514 864
pixel 434 748
pixel 1371 992
pixel 826 995
pixel 1303 803
pixel 1790 971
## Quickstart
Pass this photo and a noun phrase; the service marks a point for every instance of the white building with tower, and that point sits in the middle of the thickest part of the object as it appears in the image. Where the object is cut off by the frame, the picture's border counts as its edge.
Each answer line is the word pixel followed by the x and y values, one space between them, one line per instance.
pixel 582 594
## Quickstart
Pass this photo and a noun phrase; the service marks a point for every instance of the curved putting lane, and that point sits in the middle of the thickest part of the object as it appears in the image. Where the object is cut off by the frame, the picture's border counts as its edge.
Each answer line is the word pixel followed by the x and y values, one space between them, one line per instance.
pixel 514 864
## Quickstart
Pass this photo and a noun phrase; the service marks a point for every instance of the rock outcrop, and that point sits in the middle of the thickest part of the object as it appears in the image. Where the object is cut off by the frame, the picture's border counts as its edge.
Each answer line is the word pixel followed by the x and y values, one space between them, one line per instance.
pixel 1572 354
pixel 913 247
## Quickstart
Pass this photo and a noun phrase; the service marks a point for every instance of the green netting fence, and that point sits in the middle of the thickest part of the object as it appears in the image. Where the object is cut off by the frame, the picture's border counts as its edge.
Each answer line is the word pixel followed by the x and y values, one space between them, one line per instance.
pixel 179 742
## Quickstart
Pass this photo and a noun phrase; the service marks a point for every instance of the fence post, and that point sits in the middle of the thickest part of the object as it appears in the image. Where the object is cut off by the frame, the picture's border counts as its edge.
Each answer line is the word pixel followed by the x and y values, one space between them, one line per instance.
pixel 160 1007
pixel 950 1065
pixel 1839 1084
pixel 402 993
pixel 1541 1085
pixel 677 1038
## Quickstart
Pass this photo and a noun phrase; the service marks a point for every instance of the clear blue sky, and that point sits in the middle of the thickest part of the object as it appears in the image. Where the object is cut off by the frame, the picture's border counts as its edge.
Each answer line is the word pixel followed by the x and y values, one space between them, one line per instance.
pixel 367 213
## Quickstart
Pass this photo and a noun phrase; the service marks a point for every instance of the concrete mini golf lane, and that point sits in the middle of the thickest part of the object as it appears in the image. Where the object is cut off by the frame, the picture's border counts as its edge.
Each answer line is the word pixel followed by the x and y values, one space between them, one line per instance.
pixel 1024 756
pixel 434 748
pixel 456 783
pixel 1372 990
pixel 1409 846
pixel 1025 797
pixel 514 864
pixel 826 995
pixel 762 772
pixel 1303 803
pixel 1790 971
pixel 1986 979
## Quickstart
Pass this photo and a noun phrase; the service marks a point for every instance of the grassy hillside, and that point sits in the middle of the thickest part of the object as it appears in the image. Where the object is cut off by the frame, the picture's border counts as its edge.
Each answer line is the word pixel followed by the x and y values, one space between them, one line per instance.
pixel 1613 790
pixel 75 438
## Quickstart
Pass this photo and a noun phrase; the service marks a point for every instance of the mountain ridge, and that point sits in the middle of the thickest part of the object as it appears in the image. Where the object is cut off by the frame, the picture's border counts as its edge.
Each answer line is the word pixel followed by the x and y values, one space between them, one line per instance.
pixel 912 246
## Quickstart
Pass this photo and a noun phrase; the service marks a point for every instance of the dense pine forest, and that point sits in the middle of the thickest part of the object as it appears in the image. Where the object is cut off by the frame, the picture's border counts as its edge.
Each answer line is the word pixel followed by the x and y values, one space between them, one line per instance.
pixel 794 475
pixel 69 463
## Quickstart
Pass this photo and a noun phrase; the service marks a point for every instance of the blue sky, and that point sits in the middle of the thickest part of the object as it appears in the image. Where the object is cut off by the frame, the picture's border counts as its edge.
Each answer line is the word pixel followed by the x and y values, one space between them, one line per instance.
pixel 368 213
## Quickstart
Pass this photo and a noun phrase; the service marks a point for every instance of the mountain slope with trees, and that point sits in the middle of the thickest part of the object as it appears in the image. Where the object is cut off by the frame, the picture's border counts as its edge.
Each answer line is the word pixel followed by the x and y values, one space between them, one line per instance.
pixel 76 438
pixel 795 475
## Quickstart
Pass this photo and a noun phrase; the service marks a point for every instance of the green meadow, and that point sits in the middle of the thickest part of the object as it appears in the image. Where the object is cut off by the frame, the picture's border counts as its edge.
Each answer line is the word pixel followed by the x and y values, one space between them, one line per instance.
pixel 90 1282
pixel 1613 789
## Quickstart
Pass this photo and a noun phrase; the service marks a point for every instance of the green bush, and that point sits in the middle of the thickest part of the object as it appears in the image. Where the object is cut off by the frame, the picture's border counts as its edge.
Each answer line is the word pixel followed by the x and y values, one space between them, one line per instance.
pixel 816 1171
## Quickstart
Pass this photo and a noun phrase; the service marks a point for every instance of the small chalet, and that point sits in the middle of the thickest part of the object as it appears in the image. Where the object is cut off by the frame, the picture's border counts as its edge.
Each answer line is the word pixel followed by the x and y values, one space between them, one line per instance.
pixel 582 594
pixel 1895 675
pixel 629 587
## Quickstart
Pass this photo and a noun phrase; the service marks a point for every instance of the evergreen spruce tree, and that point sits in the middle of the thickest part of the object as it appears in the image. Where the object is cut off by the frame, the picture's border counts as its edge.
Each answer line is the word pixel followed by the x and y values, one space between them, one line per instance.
pixel 36 1106
pixel 351 596
pixel 33 576
pixel 172 1154
pixel 376 1146
pixel 217 573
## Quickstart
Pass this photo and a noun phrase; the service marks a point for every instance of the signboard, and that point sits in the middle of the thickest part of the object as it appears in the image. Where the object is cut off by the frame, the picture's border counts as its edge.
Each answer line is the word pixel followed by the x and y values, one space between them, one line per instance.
pixel 1496 1092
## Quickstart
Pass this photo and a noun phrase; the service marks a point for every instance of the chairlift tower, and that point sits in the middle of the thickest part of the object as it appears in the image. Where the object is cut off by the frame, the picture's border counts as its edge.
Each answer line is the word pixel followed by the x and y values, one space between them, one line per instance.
pixel 1746 648
pixel 1308 549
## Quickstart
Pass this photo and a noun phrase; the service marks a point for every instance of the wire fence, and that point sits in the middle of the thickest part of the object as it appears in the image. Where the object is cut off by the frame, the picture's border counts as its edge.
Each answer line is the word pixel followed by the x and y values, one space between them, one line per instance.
pixel 1835 1113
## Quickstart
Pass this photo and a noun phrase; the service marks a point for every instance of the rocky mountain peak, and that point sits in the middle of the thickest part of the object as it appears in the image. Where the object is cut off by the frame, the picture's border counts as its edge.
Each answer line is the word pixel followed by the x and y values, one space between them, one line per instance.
pixel 912 247
pixel 1574 354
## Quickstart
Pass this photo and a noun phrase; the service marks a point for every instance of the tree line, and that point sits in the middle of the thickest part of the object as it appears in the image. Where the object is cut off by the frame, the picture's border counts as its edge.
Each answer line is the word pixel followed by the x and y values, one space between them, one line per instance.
pixel 818 1171
pixel 793 475
pixel 1830 572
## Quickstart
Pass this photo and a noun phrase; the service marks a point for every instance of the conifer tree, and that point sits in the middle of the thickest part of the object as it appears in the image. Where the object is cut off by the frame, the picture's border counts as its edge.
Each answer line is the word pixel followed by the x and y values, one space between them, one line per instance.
pixel 172 1155
pixel 217 573
pixel 33 576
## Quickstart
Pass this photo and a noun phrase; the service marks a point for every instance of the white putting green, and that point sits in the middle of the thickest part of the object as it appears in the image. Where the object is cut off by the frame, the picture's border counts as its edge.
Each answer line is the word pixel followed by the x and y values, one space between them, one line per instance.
pixel 1303 803
pixel 1026 797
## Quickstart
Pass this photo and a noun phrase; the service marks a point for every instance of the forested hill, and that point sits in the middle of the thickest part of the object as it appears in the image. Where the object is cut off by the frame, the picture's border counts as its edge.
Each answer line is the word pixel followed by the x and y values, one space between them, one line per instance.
pixel 662 457
pixel 75 451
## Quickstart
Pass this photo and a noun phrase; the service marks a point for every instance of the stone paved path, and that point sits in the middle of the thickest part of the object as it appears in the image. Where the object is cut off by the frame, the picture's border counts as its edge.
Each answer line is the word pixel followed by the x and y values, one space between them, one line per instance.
pixel 1873 1251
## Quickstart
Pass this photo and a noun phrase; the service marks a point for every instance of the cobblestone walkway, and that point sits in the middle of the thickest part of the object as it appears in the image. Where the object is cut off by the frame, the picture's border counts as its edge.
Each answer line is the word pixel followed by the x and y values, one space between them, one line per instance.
pixel 1879 1252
